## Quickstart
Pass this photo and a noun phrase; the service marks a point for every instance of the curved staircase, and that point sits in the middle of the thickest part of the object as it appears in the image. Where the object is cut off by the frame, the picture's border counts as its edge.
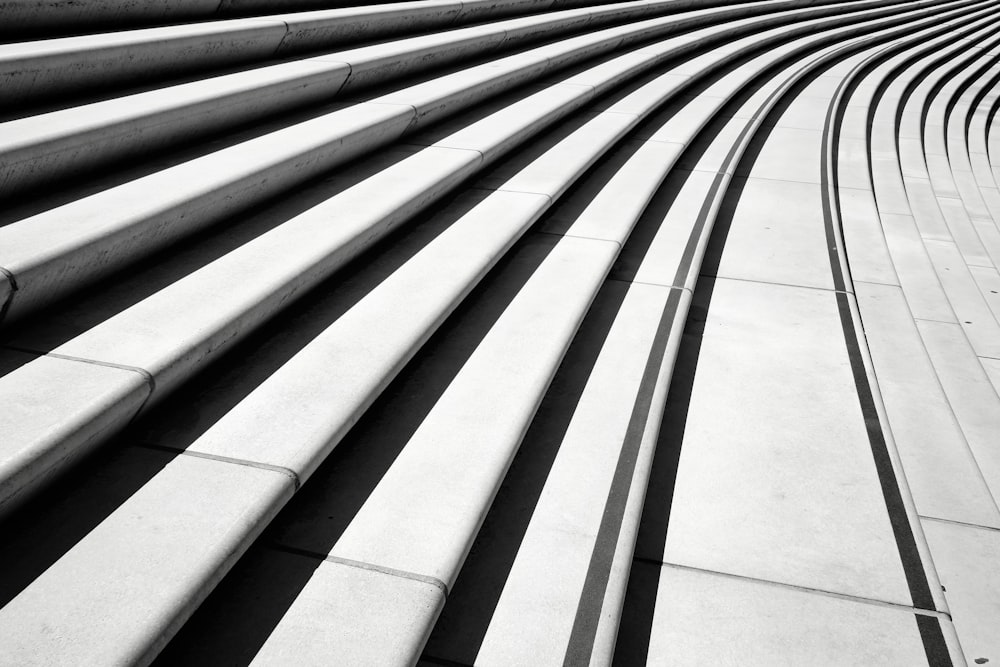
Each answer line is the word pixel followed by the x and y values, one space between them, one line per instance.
pixel 500 332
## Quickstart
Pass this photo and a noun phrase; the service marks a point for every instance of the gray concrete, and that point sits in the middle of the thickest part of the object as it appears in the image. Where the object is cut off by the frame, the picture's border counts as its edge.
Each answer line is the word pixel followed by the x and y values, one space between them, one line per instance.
pixel 498 332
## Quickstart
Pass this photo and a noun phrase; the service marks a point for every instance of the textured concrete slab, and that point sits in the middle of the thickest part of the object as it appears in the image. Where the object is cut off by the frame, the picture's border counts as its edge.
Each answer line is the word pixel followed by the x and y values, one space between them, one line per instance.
pixel 616 194
pixel 963 233
pixel 941 470
pixel 30 70
pixel 784 243
pixel 924 294
pixel 864 239
pixel 963 294
pixel 988 280
pixel 373 327
pixel 40 148
pixel 278 607
pixel 82 242
pixel 660 252
pixel 248 285
pixel 55 411
pixel 424 509
pixel 108 573
pixel 551 173
pixel 853 164
pixel 468 422
pixel 744 622
pixel 972 397
pixel 966 557
pixel 497 133
pixel 776 479
pixel 789 154
pixel 926 209
pixel 556 497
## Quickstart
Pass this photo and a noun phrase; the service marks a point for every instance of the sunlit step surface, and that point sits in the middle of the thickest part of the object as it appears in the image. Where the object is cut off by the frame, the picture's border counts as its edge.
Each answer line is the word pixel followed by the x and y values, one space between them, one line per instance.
pixel 502 333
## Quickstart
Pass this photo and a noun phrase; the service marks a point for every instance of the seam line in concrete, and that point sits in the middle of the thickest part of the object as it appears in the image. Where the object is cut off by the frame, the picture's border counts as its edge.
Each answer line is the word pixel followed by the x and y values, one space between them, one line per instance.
pixel 769 282
pixel 748 177
pixel 288 472
pixel 802 589
pixel 146 375
pixel 872 282
pixel 927 319
pixel 450 148
pixel 361 565
pixel 643 282
pixel 959 523
pixel 578 236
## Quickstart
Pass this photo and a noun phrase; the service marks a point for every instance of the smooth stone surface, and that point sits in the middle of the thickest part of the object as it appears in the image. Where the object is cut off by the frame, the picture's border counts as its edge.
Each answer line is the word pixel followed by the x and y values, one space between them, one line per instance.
pixel 111 571
pixel 562 483
pixel 50 67
pixel 972 397
pixel 551 173
pixel 864 240
pixel 889 187
pixel 657 253
pixel 963 233
pixel 174 330
pixel 853 164
pixel 777 235
pixel 988 280
pixel 496 134
pixel 82 242
pixel 966 559
pixel 615 194
pixel 378 322
pixel 55 411
pixel 42 147
pixel 774 414
pixel 941 471
pixel 277 608
pixel 788 155
pixel 744 622
pixel 924 294
pixel 422 514
pixel 805 112
pixel 319 29
pixel 926 209
pixel 963 294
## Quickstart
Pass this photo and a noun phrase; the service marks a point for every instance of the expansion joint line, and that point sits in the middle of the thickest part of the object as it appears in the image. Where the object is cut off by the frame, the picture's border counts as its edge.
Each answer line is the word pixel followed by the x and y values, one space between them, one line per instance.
pixel 361 565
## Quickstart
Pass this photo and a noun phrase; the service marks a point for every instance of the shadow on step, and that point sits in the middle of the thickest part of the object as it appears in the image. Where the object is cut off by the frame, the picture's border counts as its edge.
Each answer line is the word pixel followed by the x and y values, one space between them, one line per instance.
pixel 466 617
pixel 639 607
pixel 331 500
pixel 80 313
pixel 47 528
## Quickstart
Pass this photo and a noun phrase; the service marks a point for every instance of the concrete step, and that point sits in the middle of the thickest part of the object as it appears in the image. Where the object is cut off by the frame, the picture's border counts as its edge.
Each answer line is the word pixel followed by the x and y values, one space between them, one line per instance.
pixel 322 520
pixel 921 345
pixel 84 244
pixel 452 303
pixel 52 18
pixel 416 269
pixel 54 68
pixel 138 341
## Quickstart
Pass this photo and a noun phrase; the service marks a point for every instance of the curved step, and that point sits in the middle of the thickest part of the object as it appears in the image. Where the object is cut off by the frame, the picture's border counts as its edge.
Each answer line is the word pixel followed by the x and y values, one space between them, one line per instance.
pixel 46 69
pixel 303 466
pixel 939 399
pixel 462 342
pixel 68 141
pixel 53 17
pixel 83 244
